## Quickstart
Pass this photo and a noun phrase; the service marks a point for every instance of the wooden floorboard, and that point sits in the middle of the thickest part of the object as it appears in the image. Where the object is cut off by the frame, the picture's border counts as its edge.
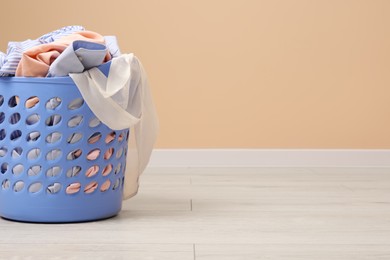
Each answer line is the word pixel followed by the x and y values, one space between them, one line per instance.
pixel 227 214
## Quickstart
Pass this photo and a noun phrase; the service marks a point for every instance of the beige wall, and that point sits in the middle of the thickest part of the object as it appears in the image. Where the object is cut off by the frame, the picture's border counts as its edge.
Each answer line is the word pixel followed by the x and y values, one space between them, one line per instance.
pixel 246 74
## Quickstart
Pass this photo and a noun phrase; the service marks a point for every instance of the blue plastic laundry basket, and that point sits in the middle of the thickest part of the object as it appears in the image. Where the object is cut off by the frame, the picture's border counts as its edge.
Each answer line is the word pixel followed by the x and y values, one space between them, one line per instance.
pixel 47 137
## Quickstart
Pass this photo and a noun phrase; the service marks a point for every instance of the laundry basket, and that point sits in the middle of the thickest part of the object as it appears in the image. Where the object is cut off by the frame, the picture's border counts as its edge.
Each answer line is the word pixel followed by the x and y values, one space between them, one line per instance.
pixel 58 162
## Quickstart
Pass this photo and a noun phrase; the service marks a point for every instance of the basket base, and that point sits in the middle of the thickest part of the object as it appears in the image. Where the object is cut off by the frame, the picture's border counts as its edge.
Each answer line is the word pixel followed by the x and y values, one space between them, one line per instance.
pixel 61 209
pixel 58 222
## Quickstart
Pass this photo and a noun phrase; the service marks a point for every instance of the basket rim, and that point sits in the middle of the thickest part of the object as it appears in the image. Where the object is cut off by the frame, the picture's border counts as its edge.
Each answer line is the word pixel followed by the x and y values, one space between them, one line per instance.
pixel 32 80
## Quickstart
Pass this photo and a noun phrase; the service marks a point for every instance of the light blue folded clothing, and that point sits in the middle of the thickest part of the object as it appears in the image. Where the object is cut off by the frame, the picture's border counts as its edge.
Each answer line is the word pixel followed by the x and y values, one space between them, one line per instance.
pixel 77 57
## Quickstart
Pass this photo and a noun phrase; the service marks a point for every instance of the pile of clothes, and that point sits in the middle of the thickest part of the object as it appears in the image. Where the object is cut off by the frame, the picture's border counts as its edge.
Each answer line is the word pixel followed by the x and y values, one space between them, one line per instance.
pixel 120 99
pixel 70 49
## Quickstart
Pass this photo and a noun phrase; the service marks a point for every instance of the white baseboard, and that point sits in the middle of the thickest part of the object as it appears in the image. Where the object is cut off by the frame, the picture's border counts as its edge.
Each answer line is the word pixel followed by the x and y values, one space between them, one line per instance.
pixel 270 158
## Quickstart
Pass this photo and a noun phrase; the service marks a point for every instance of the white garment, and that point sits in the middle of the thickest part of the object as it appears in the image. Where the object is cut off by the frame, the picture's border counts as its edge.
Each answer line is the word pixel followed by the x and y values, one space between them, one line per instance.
pixel 123 100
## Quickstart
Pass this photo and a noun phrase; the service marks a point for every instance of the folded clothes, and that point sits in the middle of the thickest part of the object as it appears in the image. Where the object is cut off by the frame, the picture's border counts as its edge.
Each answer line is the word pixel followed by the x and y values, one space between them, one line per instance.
pixel 54 54
pixel 9 61
pixel 35 62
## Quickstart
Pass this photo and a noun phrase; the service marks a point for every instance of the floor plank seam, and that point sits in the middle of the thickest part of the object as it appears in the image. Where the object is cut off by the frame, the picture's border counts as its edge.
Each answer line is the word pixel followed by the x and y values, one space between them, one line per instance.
pixel 193 249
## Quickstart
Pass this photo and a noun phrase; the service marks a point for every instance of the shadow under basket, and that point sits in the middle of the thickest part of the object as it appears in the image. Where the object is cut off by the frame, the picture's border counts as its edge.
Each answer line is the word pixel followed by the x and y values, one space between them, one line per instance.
pixel 58 162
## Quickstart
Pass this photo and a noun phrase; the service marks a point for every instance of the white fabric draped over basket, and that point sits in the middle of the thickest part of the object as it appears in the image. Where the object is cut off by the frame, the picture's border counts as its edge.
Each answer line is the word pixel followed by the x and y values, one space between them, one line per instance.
pixel 123 100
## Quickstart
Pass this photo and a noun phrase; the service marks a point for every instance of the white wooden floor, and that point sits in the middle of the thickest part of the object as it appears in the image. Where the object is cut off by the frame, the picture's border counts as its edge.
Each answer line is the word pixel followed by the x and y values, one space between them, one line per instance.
pixel 228 214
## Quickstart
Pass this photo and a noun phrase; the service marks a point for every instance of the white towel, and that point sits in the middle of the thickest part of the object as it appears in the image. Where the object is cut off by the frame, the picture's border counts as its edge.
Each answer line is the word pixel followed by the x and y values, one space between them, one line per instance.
pixel 123 100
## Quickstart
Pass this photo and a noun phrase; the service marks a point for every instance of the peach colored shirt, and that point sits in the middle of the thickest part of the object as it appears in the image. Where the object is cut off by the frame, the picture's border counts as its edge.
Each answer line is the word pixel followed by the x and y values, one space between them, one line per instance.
pixel 36 61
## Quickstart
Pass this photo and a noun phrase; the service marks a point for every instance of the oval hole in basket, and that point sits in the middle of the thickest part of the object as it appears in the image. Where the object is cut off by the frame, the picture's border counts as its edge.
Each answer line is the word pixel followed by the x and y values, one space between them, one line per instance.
pixel 75 121
pixel 15 135
pixel 110 137
pixel 76 103
pixel 108 153
pixel 34 170
pixel 17 169
pixel 35 187
pixel 94 137
pixel 105 186
pixel 53 188
pixel 94 122
pixel 33 154
pixel 116 184
pixel 16 152
pixel 4 167
pixel 18 186
pixel 73 155
pixel 3 151
pixel 53 103
pixel 119 153
pixel 53 154
pixel 91 187
pixel 32 119
pixel 74 138
pixel 14 118
pixel 31 102
pixel 92 171
pixel 33 136
pixel 3 133
pixel 73 172
pixel 1 100
pixel 53 137
pixel 53 171
pixel 117 168
pixel 5 184
pixel 53 120
pixel 2 117
pixel 73 188
pixel 107 170
pixel 13 101
pixel 93 154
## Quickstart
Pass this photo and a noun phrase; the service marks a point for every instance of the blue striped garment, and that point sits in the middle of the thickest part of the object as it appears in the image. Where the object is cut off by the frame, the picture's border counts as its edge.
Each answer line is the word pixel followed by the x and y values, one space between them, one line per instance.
pixel 9 62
